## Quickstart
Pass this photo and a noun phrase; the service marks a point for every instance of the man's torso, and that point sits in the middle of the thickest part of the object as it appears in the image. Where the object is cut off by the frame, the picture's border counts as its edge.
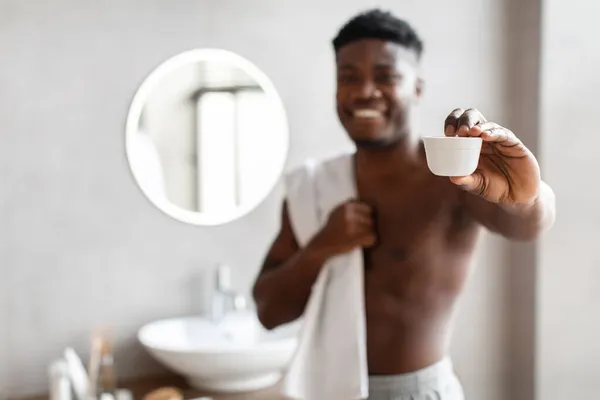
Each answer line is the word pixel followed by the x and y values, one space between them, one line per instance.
pixel 416 271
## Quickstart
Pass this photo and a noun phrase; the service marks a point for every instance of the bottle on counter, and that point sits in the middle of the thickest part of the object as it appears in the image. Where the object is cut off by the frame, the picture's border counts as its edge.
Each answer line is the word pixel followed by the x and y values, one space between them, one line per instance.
pixel 103 376
pixel 60 384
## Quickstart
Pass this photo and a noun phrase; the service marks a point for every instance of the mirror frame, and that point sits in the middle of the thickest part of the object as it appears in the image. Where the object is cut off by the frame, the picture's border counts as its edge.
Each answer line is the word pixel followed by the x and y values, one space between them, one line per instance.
pixel 137 106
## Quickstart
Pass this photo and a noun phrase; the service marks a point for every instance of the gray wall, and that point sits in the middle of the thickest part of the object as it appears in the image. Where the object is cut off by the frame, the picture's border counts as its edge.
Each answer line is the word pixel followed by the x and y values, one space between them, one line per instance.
pixel 81 247
pixel 569 274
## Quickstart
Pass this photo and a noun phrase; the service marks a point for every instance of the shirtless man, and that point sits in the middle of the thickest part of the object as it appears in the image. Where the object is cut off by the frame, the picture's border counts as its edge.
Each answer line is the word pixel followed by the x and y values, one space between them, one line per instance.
pixel 418 231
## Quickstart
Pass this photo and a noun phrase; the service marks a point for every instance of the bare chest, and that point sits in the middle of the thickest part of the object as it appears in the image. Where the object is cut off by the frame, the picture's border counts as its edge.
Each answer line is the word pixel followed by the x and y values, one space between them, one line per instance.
pixel 414 220
pixel 424 243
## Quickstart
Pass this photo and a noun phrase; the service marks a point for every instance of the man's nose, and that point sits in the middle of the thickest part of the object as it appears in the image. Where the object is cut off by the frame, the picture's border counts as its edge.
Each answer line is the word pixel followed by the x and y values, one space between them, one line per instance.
pixel 367 90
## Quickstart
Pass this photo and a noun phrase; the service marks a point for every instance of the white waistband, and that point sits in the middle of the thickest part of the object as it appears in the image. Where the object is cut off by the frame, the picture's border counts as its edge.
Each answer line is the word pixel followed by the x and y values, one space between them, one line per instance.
pixel 434 375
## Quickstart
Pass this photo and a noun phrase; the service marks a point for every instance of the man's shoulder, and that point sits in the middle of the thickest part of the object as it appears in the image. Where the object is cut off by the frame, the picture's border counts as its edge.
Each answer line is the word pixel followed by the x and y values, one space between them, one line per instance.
pixel 323 163
pixel 303 177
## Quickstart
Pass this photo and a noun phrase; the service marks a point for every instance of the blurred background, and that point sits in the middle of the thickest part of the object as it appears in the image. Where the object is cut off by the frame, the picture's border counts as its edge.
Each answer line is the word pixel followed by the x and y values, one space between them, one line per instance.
pixel 82 247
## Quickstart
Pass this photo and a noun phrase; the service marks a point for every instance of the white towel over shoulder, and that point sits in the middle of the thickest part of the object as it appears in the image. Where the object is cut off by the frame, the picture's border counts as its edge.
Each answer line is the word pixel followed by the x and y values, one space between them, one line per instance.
pixel 331 361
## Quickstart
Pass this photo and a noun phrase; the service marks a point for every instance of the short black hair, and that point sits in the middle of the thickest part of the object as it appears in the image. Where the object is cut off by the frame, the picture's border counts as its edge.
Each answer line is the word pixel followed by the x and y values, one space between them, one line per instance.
pixel 378 24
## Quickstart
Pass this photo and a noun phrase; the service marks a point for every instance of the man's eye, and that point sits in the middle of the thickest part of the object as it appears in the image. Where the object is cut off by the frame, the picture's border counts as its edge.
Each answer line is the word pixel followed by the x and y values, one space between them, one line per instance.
pixel 387 78
pixel 348 79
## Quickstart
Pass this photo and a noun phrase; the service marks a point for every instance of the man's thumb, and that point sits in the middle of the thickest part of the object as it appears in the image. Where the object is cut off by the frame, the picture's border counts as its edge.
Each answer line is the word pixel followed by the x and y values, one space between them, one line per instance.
pixel 473 183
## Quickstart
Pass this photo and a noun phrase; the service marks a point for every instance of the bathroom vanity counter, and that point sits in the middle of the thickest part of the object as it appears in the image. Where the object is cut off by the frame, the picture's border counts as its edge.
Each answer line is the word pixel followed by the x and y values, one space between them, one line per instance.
pixel 142 386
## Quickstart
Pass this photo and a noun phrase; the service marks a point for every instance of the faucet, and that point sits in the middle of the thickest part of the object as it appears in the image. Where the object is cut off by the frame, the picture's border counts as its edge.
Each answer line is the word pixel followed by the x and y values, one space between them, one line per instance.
pixel 225 300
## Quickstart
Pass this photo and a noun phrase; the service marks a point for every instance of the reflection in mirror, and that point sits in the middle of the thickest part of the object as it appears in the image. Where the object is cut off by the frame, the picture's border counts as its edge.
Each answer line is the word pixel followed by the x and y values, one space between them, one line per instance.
pixel 207 137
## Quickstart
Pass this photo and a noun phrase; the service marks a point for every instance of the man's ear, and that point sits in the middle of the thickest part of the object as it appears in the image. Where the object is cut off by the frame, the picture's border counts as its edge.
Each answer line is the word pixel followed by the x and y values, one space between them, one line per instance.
pixel 420 86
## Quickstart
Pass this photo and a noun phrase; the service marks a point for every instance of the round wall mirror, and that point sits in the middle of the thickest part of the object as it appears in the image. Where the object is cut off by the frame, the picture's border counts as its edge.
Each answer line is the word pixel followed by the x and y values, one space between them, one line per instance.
pixel 206 137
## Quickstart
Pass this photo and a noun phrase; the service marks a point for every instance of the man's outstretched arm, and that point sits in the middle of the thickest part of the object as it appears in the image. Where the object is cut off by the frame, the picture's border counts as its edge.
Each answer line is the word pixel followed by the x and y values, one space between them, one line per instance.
pixel 518 222
pixel 505 193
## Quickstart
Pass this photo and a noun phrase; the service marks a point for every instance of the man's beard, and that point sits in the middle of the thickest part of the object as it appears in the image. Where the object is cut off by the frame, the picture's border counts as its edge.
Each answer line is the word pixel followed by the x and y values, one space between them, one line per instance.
pixel 374 143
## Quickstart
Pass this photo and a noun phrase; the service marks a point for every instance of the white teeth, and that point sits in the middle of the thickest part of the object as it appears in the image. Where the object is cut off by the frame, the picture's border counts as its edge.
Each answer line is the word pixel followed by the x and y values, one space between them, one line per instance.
pixel 367 113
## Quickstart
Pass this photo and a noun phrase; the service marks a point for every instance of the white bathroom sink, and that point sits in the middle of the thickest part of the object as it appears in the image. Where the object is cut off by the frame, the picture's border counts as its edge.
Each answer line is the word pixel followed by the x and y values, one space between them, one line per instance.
pixel 235 355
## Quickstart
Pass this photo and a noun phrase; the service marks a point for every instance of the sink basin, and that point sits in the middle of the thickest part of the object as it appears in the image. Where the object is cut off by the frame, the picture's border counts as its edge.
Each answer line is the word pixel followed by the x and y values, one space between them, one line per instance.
pixel 235 355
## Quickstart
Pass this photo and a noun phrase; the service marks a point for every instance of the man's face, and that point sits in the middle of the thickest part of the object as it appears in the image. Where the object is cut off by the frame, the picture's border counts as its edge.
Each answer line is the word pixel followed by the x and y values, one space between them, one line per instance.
pixel 377 86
